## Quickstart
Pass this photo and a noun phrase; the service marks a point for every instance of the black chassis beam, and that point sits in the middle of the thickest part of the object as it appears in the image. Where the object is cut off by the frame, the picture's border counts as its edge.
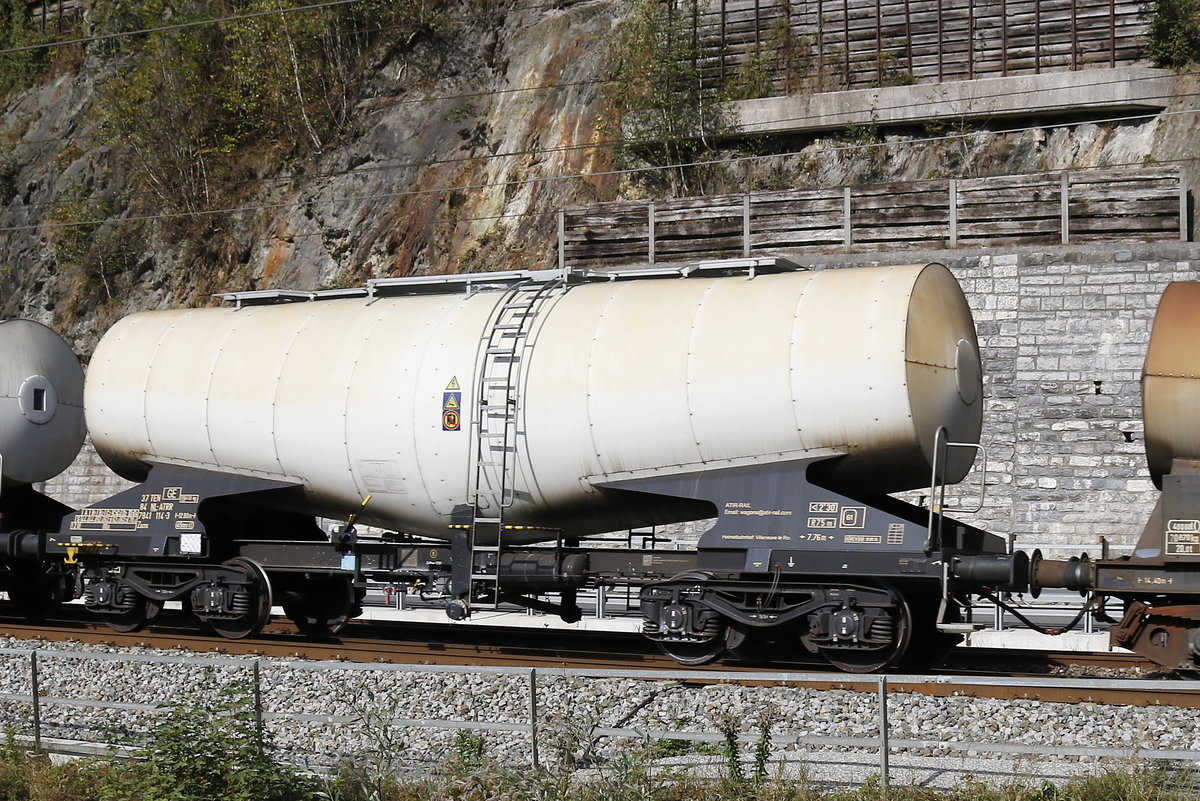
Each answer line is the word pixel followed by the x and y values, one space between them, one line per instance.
pixel 382 560
pixel 716 593
pixel 180 578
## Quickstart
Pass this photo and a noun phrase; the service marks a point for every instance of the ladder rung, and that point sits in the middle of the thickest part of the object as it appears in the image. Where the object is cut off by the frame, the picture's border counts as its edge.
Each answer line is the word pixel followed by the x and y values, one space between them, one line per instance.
pixel 486 520
pixel 486 548
pixel 518 304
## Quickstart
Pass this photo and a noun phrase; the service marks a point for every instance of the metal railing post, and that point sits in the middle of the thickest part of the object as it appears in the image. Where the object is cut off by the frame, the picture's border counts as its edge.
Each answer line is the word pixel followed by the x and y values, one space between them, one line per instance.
pixel 1183 211
pixel 847 236
pixel 884 746
pixel 1065 209
pixel 562 239
pixel 746 225
pixel 258 707
pixel 650 232
pixel 35 697
pixel 533 717
pixel 601 597
pixel 953 213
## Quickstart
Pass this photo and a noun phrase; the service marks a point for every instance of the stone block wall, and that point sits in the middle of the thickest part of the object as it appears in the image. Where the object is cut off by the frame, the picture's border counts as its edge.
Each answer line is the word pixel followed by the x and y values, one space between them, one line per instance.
pixel 1062 335
pixel 87 481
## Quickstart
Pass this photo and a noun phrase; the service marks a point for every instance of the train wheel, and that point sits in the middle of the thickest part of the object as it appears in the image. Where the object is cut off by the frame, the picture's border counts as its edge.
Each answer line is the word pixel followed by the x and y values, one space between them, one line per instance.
pixel 693 653
pixel 257 612
pixel 894 629
pixel 326 607
pixel 134 619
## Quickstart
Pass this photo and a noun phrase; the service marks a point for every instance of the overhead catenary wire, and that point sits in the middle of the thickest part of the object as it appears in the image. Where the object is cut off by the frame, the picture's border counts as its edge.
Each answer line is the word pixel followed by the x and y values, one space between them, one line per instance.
pixel 502 91
pixel 101 37
pixel 537 152
pixel 798 120
pixel 634 143
pixel 561 177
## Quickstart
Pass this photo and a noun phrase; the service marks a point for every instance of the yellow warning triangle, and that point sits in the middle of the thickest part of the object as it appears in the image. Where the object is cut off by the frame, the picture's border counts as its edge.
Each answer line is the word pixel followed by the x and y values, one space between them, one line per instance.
pixel 453 385
pixel 450 403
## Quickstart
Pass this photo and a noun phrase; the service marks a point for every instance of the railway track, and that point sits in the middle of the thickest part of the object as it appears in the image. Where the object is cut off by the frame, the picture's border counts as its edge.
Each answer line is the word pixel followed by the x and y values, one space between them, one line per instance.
pixel 988 673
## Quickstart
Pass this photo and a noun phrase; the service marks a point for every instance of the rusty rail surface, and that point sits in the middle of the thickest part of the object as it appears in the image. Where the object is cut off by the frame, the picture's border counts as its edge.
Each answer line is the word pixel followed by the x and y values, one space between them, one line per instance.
pixel 1002 674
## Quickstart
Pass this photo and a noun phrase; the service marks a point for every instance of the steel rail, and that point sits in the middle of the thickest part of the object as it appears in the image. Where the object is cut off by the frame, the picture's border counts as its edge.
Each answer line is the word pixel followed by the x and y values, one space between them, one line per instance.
pixel 561 654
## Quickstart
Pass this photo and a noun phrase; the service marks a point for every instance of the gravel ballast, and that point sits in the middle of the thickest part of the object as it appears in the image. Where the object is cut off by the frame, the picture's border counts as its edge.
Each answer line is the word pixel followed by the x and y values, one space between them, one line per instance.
pixel 320 714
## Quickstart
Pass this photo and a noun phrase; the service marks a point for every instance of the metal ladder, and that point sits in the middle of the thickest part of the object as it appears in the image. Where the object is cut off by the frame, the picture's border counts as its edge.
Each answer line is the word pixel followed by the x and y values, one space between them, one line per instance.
pixel 492 488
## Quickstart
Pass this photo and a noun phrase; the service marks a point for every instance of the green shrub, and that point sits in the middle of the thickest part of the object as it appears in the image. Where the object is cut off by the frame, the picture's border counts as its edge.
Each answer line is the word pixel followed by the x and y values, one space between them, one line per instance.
pixel 194 105
pixel 210 751
pixel 655 105
pixel 18 67
pixel 1174 32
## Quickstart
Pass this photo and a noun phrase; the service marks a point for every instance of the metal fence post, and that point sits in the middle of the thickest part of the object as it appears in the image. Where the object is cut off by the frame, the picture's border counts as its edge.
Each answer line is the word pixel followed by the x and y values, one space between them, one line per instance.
pixel 650 232
pixel 35 696
pixel 953 212
pixel 1183 211
pixel 746 225
pixel 562 245
pixel 847 238
pixel 1065 210
pixel 533 716
pixel 884 747
pixel 258 707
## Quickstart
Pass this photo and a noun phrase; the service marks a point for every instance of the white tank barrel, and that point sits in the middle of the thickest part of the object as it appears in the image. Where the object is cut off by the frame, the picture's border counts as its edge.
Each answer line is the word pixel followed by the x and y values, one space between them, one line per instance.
pixel 617 379
pixel 41 403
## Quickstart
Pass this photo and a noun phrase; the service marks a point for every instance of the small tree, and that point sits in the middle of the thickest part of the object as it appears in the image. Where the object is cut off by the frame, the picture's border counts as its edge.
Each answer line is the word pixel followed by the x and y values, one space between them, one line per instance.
pixel 1175 32
pixel 22 58
pixel 656 104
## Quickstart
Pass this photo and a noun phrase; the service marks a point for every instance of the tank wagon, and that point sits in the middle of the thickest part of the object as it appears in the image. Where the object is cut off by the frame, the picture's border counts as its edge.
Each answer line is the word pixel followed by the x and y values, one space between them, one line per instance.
pixel 1158 585
pixel 493 422
pixel 41 432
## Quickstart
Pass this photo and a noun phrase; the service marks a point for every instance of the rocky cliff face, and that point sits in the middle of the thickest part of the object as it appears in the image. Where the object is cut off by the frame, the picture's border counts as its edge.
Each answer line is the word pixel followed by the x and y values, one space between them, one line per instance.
pixel 458 154
pixel 453 162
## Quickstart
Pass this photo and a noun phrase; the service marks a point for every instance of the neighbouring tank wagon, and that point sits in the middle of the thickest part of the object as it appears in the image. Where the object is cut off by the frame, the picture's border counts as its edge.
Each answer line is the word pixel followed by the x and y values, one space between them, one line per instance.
pixel 41 404
pixel 1158 585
